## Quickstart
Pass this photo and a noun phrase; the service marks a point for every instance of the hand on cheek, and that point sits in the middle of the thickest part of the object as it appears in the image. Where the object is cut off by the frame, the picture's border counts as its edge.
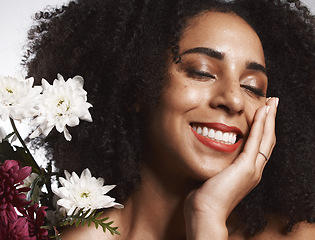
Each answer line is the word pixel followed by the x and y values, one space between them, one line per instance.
pixel 211 204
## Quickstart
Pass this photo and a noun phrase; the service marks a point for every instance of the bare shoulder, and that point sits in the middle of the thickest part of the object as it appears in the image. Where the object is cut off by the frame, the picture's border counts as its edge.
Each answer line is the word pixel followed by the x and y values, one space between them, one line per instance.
pixel 91 232
pixel 85 232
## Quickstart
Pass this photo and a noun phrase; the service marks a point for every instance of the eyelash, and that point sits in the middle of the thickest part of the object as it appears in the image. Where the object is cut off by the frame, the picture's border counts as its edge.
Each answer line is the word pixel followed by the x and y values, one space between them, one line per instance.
pixel 202 75
pixel 198 74
pixel 256 91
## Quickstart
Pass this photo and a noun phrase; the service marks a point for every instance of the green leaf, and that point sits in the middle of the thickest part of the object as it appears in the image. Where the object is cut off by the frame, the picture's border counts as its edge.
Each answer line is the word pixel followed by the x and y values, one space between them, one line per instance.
pixel 72 221
pixel 80 218
pixel 27 159
pixel 104 227
pixel 89 222
pixel 98 215
pixel 7 152
pixel 104 219
pixel 77 223
pixel 65 222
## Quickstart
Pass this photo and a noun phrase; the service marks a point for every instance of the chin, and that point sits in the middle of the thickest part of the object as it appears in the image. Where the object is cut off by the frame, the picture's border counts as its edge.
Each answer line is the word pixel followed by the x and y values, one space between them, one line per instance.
pixel 205 172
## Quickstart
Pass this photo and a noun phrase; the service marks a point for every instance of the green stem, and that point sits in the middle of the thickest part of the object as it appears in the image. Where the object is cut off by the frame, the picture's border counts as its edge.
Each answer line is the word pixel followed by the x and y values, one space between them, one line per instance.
pixel 48 186
pixel 33 163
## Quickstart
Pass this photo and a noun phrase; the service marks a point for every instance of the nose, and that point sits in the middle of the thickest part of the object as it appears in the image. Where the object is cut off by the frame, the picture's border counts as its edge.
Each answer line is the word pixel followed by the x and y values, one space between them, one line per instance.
pixel 228 96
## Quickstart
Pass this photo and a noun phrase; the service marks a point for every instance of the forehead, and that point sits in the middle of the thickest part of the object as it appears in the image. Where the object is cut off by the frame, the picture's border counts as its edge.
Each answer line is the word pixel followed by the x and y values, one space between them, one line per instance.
pixel 223 32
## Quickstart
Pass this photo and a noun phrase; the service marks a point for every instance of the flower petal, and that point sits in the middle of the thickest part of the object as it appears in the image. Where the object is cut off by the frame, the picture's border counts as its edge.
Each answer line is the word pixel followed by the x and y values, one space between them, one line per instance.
pixel 67 135
pixel 84 192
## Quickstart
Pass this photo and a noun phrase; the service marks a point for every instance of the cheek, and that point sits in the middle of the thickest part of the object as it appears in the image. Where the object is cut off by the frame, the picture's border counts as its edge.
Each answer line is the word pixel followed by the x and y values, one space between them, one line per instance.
pixel 250 111
pixel 183 97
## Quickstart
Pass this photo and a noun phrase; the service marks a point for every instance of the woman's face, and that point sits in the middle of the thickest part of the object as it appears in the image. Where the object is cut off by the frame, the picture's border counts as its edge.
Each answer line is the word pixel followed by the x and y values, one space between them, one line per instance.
pixel 207 107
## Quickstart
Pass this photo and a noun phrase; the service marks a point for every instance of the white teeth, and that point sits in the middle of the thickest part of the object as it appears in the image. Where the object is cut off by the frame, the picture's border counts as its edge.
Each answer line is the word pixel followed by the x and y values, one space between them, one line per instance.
pixel 230 137
pixel 211 133
pixel 233 138
pixel 225 137
pixel 205 131
pixel 219 136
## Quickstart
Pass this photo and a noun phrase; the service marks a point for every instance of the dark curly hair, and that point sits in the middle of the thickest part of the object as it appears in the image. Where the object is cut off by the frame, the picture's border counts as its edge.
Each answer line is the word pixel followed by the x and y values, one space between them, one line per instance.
pixel 121 48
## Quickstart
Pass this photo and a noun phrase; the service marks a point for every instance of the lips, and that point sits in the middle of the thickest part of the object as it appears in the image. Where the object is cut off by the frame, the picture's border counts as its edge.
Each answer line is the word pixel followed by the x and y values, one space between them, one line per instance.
pixel 218 136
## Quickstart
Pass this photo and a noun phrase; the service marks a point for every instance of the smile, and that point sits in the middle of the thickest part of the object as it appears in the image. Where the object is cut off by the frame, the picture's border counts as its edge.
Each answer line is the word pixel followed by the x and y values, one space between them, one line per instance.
pixel 218 136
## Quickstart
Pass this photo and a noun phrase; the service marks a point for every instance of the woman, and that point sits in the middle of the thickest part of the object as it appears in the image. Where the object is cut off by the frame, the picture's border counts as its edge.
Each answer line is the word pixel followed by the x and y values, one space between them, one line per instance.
pixel 181 122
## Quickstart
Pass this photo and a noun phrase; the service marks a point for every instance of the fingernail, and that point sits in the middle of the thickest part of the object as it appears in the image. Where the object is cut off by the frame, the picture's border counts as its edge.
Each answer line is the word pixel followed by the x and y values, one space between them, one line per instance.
pixel 267 99
pixel 277 102
pixel 267 109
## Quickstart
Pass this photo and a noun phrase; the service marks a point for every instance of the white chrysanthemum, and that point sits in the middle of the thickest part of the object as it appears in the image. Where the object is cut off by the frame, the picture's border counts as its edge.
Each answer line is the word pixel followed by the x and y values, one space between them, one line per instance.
pixel 63 103
pixel 84 192
pixel 18 98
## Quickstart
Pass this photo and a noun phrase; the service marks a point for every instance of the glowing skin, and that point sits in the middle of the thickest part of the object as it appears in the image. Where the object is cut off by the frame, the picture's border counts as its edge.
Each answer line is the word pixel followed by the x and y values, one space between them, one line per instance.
pixel 220 81
pixel 213 91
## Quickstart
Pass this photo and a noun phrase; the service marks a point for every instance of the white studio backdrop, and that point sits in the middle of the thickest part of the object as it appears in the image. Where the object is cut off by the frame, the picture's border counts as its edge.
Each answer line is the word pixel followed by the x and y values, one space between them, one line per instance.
pixel 16 17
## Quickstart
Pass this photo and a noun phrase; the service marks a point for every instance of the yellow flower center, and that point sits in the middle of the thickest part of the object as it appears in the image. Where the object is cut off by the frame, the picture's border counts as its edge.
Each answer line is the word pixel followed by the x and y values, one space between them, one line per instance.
pixel 61 101
pixel 9 90
pixel 85 195
pixel 65 105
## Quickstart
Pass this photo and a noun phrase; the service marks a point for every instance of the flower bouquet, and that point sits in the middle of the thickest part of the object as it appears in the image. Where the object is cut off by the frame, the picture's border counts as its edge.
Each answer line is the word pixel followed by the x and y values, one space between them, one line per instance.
pixel 35 200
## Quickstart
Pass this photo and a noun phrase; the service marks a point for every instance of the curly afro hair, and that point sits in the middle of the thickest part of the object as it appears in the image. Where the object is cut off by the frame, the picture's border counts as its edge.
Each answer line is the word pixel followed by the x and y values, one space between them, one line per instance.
pixel 121 48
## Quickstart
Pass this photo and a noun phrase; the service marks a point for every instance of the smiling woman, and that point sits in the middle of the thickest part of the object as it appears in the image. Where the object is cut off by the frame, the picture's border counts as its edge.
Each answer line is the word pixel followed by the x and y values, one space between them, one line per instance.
pixel 181 119
pixel 209 88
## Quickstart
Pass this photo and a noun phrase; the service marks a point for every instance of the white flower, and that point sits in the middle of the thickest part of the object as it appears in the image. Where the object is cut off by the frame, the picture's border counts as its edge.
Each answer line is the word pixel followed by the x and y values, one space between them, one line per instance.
pixel 3 134
pixel 63 103
pixel 84 192
pixel 18 99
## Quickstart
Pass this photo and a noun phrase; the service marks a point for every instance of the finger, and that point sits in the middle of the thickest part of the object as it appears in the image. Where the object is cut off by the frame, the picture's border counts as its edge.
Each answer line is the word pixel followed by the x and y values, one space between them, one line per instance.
pixel 254 139
pixel 268 140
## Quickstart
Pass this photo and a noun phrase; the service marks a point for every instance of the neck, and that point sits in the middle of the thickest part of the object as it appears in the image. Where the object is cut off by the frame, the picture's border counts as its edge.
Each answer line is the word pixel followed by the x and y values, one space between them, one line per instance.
pixel 155 209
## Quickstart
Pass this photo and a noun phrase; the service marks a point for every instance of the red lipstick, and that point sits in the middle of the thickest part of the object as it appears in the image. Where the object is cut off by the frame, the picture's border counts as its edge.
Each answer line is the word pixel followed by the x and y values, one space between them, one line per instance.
pixel 217 145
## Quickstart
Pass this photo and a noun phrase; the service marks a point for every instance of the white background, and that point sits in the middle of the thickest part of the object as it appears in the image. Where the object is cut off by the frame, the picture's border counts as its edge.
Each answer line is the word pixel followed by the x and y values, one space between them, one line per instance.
pixel 16 19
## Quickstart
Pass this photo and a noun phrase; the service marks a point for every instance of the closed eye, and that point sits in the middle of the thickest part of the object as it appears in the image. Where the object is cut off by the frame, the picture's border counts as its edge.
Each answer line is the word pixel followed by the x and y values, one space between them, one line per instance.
pixel 193 73
pixel 256 91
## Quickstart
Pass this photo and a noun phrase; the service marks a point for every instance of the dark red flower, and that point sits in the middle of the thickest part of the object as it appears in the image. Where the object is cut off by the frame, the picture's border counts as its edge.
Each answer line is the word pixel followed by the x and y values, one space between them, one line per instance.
pixel 17 230
pixel 35 217
pixel 11 177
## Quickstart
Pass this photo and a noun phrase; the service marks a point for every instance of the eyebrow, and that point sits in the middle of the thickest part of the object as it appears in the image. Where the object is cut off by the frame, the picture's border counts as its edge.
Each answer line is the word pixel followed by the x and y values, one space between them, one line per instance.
pixel 206 51
pixel 256 66
pixel 220 56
